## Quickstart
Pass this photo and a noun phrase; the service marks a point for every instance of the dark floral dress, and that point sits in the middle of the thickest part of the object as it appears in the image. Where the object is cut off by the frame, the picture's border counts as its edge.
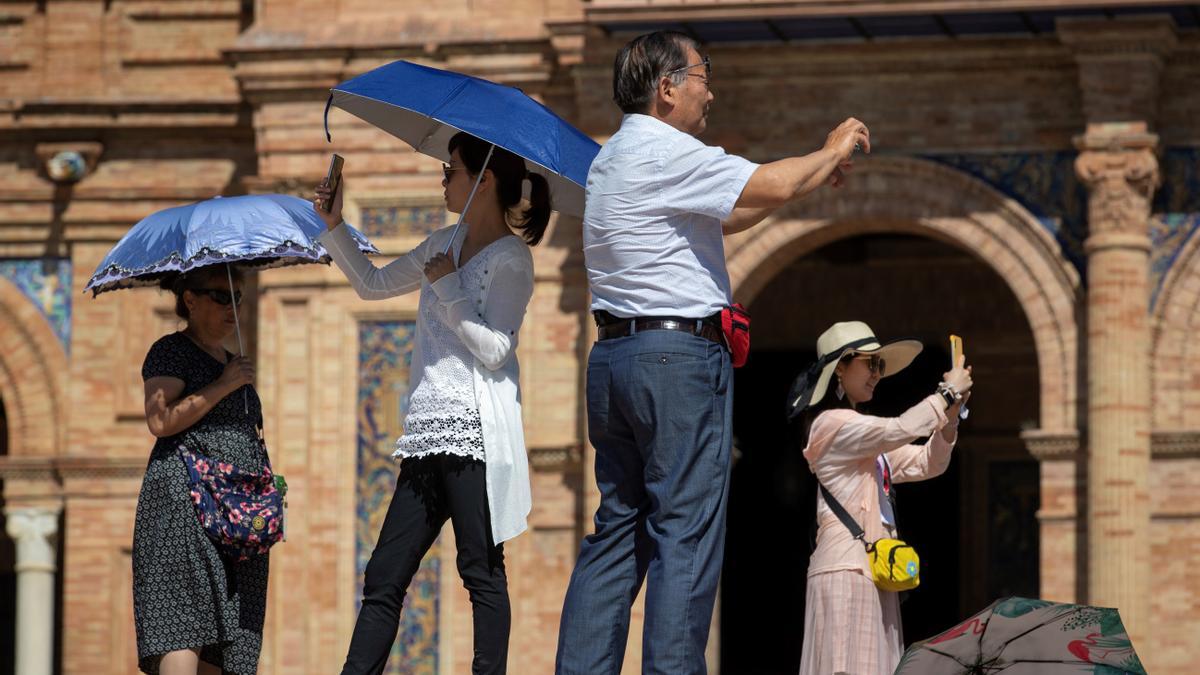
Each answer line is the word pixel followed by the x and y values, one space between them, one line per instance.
pixel 186 595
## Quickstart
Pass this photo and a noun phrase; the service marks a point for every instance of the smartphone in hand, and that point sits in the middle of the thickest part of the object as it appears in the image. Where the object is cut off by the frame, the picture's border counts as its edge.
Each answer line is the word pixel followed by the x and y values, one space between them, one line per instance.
pixel 334 179
pixel 956 351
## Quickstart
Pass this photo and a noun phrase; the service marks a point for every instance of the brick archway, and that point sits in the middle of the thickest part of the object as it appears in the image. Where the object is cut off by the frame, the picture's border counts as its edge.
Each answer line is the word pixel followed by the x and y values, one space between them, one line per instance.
pixel 1176 356
pixel 913 196
pixel 33 371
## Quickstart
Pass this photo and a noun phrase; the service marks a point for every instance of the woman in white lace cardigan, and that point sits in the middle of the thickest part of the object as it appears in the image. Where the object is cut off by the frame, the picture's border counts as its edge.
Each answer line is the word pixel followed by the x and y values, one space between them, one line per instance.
pixel 463 450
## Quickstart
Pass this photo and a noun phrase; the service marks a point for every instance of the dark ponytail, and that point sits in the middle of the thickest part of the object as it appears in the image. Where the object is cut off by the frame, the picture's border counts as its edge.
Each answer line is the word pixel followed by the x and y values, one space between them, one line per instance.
pixel 510 173
pixel 537 216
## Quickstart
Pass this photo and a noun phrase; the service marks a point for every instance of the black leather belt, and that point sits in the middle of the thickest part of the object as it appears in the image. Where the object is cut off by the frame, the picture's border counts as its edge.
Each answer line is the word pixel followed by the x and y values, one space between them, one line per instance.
pixel 609 326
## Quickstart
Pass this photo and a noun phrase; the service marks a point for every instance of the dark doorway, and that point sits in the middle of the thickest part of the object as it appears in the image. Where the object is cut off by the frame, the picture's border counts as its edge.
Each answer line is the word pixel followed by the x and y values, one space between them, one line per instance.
pixel 8 574
pixel 975 526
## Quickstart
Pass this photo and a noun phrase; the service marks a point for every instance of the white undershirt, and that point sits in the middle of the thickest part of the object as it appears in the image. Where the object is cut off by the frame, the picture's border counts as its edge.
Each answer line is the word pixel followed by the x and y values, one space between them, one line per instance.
pixel 886 513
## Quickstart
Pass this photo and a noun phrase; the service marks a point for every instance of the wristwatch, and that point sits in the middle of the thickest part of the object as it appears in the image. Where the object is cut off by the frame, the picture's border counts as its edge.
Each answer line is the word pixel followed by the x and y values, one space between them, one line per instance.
pixel 948 394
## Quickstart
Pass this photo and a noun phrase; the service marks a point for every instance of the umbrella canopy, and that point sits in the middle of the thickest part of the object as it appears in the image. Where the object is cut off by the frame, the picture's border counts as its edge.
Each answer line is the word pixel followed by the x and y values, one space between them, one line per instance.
pixel 1020 636
pixel 257 230
pixel 426 106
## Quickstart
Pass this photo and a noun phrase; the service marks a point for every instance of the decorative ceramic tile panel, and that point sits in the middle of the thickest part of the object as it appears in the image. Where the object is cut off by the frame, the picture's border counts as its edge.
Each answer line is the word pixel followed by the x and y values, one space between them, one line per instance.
pixel 1180 189
pixel 1176 212
pixel 1044 183
pixel 385 354
pixel 47 284
pixel 1168 234
pixel 401 220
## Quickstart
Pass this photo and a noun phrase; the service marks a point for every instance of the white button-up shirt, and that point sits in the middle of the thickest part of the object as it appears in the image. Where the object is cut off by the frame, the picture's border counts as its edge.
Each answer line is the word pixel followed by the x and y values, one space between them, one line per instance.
pixel 652 240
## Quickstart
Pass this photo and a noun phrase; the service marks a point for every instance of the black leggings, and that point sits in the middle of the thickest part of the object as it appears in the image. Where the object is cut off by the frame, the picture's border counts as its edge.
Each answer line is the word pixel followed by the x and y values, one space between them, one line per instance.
pixel 429 490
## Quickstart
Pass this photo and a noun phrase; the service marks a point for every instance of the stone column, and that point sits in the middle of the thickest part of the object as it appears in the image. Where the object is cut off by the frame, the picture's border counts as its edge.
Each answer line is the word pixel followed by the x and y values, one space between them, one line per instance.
pixel 1120 67
pixel 1118 165
pixel 34 529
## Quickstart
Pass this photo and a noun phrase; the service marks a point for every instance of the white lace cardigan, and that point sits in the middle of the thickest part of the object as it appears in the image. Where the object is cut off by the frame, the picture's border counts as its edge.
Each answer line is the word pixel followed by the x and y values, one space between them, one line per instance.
pixel 488 324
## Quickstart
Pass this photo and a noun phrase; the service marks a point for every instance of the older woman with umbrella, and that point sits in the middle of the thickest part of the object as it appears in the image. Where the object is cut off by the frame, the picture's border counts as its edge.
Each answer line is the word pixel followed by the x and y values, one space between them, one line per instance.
pixel 209 507
pixel 463 448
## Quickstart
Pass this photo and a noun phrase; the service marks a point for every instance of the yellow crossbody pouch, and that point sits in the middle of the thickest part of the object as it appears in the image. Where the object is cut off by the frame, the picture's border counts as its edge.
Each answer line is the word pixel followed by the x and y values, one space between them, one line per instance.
pixel 895 566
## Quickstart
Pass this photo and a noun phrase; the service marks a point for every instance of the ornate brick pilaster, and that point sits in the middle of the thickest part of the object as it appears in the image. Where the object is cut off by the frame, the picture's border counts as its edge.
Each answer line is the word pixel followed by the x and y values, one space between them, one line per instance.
pixel 1120 67
pixel 1062 544
pixel 1118 165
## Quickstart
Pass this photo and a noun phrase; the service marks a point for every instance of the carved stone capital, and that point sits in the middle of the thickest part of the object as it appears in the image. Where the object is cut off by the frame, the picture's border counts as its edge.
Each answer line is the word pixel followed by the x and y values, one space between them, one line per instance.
pixel 33 528
pixel 1118 165
pixel 1050 445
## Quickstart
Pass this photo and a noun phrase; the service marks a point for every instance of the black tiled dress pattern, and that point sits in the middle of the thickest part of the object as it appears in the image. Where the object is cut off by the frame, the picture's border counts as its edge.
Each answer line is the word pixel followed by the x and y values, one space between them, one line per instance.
pixel 186 595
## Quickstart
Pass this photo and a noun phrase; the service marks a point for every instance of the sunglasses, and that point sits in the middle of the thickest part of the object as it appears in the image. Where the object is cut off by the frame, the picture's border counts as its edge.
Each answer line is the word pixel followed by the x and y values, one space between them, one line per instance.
pixel 447 170
pixel 219 296
pixel 875 363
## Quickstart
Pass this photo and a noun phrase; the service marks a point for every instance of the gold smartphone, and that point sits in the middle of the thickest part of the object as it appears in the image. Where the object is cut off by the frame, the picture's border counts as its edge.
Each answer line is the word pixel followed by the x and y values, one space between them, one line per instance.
pixel 334 179
pixel 956 350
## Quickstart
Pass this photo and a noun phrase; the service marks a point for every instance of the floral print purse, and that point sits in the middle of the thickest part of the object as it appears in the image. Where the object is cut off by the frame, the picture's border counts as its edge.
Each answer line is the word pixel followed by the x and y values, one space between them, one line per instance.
pixel 242 512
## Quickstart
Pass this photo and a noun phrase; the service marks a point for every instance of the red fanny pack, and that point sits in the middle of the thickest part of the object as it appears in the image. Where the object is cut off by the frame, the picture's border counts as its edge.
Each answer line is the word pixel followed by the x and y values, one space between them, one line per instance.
pixel 735 323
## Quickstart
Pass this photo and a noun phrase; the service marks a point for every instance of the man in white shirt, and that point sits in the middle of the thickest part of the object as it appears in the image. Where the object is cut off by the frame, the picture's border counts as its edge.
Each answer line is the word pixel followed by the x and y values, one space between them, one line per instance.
pixel 659 379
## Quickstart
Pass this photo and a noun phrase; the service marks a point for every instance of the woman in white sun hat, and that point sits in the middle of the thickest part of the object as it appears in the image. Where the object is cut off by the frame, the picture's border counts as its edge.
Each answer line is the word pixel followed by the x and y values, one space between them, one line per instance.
pixel 851 625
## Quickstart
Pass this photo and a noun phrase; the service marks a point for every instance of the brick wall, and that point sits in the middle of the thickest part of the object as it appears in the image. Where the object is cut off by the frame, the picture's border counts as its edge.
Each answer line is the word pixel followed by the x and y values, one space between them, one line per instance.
pixel 232 102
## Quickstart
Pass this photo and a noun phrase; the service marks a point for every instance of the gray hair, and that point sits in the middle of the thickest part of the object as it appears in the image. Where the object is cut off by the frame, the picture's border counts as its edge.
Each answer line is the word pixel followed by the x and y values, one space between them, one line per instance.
pixel 646 58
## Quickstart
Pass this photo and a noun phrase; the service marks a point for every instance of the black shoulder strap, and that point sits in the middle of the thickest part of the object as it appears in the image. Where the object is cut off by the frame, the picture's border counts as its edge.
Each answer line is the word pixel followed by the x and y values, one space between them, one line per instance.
pixel 840 512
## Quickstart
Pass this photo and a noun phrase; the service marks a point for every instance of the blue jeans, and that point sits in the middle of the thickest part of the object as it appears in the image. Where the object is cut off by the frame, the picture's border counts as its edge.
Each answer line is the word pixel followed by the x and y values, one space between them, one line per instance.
pixel 660 409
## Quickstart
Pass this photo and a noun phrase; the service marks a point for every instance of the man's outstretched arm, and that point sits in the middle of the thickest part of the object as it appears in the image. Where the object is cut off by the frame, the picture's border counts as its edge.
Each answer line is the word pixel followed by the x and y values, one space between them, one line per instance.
pixel 777 183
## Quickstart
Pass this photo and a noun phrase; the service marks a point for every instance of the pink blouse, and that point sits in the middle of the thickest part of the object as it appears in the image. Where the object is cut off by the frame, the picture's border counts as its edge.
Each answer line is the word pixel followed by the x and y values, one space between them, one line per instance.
pixel 842 450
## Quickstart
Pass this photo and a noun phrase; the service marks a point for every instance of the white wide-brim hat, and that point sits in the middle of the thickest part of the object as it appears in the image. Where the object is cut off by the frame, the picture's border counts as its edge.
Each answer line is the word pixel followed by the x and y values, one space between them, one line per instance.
pixel 847 337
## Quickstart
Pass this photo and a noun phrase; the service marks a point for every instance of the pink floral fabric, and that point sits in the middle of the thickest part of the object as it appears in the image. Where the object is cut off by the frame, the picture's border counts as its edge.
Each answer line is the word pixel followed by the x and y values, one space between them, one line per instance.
pixel 241 512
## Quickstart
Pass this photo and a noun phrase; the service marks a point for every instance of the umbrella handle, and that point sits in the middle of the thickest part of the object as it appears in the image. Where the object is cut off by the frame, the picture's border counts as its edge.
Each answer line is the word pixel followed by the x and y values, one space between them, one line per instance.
pixel 470 198
pixel 238 326
pixel 328 104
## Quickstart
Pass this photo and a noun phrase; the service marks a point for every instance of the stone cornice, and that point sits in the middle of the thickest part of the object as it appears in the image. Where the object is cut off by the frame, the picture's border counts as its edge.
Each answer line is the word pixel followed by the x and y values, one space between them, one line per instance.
pixel 1050 445
pixel 267 44
pixel 801 63
pixel 555 458
pixel 1112 40
pixel 67 113
pixel 272 71
pixel 60 469
pixel 624 11
pixel 1065 445
pixel 1174 444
